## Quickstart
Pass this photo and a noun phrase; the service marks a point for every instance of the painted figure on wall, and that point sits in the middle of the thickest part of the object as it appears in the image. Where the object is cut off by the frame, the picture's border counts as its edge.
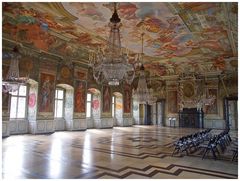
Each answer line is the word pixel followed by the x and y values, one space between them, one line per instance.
pixel 46 93
pixel 172 101
pixel 212 109
pixel 106 99
pixel 127 99
pixel 80 96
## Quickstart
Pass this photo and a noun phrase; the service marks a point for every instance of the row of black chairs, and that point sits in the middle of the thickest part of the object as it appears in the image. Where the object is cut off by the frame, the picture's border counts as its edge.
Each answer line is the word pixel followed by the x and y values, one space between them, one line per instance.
pixel 235 152
pixel 220 141
pixel 186 143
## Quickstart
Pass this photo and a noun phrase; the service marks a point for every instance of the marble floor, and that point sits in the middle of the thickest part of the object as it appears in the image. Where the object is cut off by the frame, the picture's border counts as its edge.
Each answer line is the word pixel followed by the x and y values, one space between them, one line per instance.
pixel 138 152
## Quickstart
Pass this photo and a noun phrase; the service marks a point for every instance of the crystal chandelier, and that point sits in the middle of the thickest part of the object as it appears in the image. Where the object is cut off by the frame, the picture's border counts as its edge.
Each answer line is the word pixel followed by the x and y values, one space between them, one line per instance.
pixel 142 94
pixel 112 66
pixel 152 99
pixel 12 81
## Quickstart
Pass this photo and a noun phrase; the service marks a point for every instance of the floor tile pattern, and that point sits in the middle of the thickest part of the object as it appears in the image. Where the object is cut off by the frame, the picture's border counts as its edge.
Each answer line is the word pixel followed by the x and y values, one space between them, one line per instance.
pixel 138 152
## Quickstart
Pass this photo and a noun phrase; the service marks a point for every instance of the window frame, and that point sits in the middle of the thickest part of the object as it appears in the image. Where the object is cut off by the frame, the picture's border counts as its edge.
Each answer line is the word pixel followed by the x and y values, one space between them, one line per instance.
pixel 26 103
pixel 57 99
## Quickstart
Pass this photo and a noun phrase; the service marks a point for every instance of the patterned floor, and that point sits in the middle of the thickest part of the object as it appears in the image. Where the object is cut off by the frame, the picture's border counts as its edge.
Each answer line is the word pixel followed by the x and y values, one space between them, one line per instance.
pixel 139 152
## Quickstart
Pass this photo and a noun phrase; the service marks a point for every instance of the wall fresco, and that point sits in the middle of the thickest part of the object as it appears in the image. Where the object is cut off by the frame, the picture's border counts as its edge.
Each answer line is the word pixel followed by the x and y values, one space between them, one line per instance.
pixel 106 99
pixel 172 101
pixel 212 109
pixel 80 97
pixel 65 75
pixel 32 102
pixel 127 99
pixel 178 35
pixel 25 66
pixel 80 74
pixel 96 106
pixel 46 96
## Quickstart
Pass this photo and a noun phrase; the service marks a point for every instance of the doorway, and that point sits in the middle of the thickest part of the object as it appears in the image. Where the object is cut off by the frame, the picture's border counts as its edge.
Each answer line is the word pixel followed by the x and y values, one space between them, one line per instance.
pixel 118 109
pixel 147 117
pixel 231 113
pixel 160 112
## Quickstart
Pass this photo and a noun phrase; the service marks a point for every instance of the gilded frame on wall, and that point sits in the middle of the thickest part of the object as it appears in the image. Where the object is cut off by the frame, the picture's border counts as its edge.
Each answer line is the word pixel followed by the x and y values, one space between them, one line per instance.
pixel 188 89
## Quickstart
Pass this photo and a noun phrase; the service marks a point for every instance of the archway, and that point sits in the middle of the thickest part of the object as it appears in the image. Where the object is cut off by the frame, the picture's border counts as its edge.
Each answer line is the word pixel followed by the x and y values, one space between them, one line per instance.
pixel 64 121
pixel 138 113
pixel 93 110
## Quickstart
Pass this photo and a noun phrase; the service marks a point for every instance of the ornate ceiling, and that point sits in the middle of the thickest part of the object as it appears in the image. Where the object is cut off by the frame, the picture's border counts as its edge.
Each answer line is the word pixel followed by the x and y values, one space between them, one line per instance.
pixel 179 37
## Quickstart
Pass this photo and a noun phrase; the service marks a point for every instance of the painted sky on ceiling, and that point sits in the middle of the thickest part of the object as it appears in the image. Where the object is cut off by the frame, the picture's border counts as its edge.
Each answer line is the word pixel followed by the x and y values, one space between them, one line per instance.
pixel 178 36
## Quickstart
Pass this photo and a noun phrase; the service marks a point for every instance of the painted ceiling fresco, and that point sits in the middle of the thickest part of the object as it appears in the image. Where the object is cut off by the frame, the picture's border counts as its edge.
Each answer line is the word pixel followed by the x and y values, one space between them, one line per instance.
pixel 178 37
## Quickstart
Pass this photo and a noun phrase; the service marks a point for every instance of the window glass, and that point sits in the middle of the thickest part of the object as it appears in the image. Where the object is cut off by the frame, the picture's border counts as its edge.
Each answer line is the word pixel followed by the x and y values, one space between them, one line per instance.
pixel 21 107
pixel 15 93
pixel 22 90
pixel 56 94
pixel 88 109
pixel 60 108
pixel 60 94
pixel 89 97
pixel 13 108
pixel 113 111
pixel 18 102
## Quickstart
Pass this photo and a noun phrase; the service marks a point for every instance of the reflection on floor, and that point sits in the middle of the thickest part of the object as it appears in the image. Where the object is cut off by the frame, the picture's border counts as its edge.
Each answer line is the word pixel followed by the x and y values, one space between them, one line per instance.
pixel 121 152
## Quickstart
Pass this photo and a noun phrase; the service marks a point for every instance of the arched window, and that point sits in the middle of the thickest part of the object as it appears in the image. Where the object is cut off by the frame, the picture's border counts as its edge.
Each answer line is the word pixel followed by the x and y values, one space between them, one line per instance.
pixel 89 105
pixel 18 102
pixel 59 103
pixel 117 108
pixel 93 104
